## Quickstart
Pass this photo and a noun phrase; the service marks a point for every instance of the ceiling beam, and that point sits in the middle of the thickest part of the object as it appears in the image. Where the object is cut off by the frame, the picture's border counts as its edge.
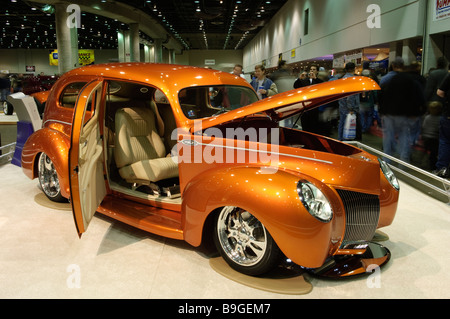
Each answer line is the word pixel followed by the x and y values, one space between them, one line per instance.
pixel 126 14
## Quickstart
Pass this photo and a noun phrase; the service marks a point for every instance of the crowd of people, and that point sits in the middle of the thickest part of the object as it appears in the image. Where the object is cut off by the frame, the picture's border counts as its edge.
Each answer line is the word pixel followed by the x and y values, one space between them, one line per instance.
pixel 410 109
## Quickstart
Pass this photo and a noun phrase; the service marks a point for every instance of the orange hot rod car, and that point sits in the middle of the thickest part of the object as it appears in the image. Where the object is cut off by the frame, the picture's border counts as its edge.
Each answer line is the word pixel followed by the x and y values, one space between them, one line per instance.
pixel 192 154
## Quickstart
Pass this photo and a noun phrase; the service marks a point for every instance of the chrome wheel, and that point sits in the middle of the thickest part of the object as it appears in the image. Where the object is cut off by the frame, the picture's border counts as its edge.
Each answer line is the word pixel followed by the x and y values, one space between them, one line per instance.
pixel 7 108
pixel 48 179
pixel 244 242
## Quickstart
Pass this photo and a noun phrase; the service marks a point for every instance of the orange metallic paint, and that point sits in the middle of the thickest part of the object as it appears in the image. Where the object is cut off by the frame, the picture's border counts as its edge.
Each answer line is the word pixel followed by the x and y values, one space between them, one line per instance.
pixel 206 187
pixel 273 199
pixel 41 96
pixel 55 145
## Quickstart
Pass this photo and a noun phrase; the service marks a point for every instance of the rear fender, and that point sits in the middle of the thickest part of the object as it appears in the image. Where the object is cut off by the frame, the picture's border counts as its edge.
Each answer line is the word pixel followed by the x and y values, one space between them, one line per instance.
pixel 56 146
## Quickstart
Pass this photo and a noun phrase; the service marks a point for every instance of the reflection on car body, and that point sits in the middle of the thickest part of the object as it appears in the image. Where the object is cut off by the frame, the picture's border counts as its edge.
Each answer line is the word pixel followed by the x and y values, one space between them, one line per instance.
pixel 191 154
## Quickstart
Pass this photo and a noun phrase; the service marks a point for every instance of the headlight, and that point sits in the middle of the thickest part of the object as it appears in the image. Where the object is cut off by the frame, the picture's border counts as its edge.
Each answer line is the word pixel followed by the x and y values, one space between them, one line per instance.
pixel 389 174
pixel 314 201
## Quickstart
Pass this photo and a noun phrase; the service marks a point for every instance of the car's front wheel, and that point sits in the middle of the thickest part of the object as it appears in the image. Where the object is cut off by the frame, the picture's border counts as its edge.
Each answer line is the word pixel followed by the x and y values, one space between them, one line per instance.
pixel 8 109
pixel 244 242
pixel 48 179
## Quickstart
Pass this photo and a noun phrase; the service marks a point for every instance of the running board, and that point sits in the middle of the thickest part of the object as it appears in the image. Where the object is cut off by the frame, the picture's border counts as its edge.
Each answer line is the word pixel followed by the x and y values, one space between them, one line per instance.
pixel 155 220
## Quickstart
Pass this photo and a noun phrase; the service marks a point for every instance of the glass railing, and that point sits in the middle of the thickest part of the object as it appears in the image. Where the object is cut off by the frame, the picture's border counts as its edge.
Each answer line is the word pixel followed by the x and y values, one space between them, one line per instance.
pixel 424 181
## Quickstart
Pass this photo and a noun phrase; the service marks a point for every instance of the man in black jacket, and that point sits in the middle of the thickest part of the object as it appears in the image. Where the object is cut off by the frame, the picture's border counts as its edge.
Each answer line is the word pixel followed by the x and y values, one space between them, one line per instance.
pixel 402 102
pixel 443 163
pixel 434 79
pixel 310 119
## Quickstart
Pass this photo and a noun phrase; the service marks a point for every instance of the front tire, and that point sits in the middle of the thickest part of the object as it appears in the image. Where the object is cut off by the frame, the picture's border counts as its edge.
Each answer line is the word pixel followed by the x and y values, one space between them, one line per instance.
pixel 48 179
pixel 244 242
pixel 8 109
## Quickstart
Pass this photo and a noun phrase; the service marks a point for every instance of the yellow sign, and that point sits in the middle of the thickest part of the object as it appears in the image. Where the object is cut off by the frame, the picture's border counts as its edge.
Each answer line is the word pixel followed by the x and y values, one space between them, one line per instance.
pixel 85 57
pixel 53 57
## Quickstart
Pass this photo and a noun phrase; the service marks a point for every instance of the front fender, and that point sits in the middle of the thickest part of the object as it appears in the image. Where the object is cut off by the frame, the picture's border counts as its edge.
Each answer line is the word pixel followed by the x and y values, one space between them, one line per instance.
pixel 273 199
pixel 56 145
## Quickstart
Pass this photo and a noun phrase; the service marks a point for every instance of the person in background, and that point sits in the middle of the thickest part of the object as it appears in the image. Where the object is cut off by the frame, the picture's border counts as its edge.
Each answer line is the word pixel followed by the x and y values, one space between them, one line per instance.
pixel 237 70
pixel 402 103
pixel 282 77
pixel 414 70
pixel 281 72
pixel 263 86
pixel 349 105
pixel 303 75
pixel 310 119
pixel 5 86
pixel 430 131
pixel 339 73
pixel 396 66
pixel 17 83
pixel 367 106
pixel 443 162
pixel 434 79
pixel 310 80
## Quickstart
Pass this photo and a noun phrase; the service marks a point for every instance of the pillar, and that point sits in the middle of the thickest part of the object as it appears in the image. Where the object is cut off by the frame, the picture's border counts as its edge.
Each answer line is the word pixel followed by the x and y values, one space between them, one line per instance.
pixel 432 50
pixel 172 56
pixel 134 42
pixel 409 53
pixel 158 50
pixel 395 50
pixel 121 45
pixel 146 53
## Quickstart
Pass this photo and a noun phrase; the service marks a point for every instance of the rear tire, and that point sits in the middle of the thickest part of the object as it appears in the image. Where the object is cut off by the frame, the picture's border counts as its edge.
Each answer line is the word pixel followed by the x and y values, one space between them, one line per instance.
pixel 48 179
pixel 244 242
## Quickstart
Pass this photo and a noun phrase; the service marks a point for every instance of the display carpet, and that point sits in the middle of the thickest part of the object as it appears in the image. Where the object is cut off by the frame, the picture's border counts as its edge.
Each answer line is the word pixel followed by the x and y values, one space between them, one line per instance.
pixel 42 257
pixel 42 200
pixel 281 281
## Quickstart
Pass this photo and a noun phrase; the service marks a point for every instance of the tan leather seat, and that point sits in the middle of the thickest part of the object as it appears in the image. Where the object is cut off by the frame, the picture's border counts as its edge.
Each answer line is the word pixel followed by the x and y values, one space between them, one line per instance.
pixel 139 150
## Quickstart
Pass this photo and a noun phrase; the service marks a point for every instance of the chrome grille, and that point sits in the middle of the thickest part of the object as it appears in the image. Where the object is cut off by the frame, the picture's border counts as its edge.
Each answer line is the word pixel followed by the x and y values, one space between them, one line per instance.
pixel 362 212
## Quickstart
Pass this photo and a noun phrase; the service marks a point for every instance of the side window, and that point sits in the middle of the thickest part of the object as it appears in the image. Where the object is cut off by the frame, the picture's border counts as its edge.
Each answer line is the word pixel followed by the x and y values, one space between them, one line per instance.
pixel 160 97
pixel 92 104
pixel 70 93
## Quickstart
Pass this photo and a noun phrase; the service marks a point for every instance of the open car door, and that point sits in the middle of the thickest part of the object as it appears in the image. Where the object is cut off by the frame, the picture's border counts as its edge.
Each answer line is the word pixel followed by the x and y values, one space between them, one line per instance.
pixel 86 174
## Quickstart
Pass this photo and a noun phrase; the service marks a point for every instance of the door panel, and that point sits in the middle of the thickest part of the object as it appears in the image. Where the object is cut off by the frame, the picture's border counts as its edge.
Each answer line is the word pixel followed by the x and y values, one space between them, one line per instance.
pixel 87 184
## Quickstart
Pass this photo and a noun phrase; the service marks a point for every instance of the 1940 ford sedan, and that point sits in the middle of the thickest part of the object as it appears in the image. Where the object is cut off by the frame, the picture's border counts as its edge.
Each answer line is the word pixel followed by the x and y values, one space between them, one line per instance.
pixel 192 154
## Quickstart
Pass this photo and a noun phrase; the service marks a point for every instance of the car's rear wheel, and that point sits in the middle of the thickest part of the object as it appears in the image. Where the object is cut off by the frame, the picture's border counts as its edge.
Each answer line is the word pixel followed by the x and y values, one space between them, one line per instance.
pixel 48 179
pixel 244 242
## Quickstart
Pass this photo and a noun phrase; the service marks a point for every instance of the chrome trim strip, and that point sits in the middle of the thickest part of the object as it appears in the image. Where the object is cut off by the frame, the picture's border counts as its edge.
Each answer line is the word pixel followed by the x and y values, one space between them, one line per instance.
pixel 56 121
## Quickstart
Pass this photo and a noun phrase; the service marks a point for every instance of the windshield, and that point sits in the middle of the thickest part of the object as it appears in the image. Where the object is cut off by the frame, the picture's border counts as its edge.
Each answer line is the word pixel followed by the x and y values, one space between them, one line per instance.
pixel 205 101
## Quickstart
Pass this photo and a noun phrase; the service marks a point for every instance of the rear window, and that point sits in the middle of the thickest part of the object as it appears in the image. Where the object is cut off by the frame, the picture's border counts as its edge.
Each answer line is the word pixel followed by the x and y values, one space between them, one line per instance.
pixel 70 93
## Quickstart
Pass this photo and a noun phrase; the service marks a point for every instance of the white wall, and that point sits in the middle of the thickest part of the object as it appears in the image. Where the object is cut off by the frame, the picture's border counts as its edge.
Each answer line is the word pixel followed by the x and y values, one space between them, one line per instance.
pixel 15 60
pixel 435 44
pixel 224 59
pixel 334 26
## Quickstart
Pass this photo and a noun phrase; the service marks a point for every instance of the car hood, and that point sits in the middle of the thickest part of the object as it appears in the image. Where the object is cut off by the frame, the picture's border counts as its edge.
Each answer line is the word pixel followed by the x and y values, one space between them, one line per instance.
pixel 287 104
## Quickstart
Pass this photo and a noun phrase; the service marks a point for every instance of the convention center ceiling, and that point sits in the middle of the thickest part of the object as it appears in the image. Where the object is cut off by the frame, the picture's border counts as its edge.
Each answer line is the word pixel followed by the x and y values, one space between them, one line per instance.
pixel 196 24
